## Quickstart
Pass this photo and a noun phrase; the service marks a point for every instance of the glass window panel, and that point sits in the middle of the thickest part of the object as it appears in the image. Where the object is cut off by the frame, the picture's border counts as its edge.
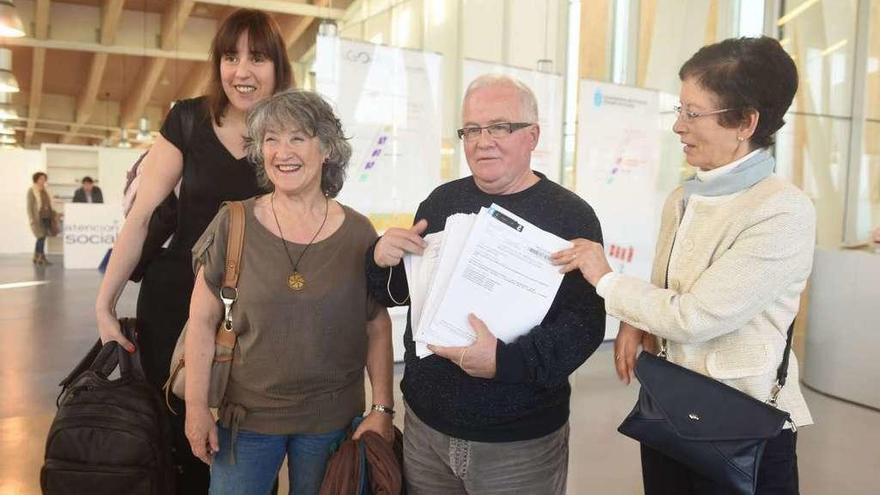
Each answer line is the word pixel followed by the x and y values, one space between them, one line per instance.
pixel 812 152
pixel 868 204
pixel 820 36
pixel 872 107
pixel 691 24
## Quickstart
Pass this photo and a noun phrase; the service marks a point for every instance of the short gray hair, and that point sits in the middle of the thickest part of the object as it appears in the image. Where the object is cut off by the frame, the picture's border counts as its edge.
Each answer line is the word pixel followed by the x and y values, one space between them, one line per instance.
pixel 528 104
pixel 310 113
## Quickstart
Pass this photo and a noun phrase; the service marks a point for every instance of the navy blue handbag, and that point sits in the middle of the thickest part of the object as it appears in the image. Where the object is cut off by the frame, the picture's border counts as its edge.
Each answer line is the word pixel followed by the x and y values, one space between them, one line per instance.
pixel 714 429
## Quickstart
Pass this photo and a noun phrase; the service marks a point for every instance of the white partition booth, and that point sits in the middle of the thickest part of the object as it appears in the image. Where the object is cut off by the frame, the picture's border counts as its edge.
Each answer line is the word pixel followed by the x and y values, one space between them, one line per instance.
pixel 89 232
pixel 842 337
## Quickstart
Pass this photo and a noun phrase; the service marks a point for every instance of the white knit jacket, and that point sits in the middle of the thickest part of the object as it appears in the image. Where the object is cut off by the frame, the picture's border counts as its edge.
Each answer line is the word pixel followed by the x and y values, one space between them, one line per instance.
pixel 735 279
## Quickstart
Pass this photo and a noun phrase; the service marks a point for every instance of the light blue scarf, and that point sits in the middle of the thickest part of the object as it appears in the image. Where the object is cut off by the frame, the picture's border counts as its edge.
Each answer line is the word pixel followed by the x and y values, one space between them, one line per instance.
pixel 744 176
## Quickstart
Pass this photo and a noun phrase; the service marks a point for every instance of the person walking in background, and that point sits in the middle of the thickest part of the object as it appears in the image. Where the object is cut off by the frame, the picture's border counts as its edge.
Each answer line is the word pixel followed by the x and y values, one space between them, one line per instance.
pixel 201 145
pixel 88 193
pixel 41 216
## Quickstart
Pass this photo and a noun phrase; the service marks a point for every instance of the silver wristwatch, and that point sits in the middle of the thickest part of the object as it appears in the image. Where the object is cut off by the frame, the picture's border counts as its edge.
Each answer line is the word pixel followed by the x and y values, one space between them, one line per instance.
pixel 382 409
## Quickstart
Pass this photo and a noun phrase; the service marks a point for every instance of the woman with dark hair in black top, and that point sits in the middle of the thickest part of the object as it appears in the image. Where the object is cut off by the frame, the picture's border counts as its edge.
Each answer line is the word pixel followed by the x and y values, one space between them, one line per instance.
pixel 202 147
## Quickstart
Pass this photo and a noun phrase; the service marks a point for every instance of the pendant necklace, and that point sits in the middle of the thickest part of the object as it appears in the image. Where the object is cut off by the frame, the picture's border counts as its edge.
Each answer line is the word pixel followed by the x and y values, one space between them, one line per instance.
pixel 296 281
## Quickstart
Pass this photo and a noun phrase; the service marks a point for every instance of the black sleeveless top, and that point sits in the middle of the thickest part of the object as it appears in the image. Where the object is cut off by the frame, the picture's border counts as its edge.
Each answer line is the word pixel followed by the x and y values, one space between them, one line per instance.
pixel 211 175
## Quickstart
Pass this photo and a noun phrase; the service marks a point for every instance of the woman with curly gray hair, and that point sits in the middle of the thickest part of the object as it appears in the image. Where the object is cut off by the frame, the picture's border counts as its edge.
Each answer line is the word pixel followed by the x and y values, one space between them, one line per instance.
pixel 306 327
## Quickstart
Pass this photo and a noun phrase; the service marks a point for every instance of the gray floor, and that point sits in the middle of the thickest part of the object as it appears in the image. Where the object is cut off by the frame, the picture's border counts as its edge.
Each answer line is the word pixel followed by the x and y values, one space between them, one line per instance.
pixel 44 330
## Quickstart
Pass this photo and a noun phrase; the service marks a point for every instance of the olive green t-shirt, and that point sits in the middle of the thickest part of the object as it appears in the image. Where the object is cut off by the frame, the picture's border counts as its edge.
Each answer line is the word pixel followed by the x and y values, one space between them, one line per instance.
pixel 298 365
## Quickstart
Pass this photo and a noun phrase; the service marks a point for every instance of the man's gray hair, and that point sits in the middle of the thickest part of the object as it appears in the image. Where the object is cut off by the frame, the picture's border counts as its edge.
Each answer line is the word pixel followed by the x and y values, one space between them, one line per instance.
pixel 528 104
pixel 310 113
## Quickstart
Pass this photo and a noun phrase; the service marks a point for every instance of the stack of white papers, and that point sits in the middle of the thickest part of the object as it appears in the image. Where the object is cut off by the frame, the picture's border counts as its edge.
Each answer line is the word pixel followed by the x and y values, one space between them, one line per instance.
pixel 493 264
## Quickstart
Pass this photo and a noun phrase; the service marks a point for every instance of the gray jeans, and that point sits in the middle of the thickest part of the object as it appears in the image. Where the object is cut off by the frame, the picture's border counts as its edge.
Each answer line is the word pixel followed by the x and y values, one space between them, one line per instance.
pixel 437 464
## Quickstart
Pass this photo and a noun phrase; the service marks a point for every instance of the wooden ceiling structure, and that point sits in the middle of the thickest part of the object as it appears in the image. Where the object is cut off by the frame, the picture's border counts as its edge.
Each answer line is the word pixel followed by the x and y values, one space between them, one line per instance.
pixel 85 92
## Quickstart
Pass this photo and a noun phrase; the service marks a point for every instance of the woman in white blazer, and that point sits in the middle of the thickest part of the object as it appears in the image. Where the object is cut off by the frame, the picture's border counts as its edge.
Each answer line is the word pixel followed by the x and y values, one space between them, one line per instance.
pixel 734 253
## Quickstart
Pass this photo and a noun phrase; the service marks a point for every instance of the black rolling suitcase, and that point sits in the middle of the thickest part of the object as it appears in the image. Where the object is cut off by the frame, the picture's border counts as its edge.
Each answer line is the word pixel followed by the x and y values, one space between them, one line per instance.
pixel 109 436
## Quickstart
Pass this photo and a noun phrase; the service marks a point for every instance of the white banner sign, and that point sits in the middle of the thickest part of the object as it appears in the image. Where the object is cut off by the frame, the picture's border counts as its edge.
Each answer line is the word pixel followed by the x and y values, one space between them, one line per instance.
pixel 89 232
pixel 549 92
pixel 618 163
pixel 389 102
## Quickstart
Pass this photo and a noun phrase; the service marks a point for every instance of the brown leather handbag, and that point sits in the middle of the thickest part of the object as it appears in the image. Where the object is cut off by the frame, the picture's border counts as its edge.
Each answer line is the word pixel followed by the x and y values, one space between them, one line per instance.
pixel 225 339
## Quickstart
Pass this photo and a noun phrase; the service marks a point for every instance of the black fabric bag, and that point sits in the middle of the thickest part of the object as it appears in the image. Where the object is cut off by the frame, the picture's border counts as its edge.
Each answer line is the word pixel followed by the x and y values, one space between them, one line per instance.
pixel 714 429
pixel 109 436
pixel 163 222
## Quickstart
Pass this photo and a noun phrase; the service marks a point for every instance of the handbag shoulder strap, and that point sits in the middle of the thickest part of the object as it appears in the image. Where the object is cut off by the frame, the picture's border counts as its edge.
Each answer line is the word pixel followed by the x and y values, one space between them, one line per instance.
pixel 234 244
pixel 232 270
pixel 782 372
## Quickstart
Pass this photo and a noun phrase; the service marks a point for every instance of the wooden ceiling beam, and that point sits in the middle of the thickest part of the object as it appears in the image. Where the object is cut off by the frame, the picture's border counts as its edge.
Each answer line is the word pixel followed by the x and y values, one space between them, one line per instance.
pixel 306 42
pixel 111 12
pixel 173 20
pixel 41 19
pixel 296 28
pixel 137 51
pixel 85 103
pixel 197 83
pixel 284 7
pixel 41 31
pixel 133 105
pixel 38 65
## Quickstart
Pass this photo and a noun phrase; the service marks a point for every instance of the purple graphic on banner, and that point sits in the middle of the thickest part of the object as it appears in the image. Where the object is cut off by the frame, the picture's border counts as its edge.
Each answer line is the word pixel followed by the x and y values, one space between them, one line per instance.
pixel 373 156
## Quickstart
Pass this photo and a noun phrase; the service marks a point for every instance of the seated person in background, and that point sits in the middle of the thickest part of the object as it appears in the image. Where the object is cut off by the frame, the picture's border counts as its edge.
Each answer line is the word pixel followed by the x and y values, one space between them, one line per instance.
pixel 88 193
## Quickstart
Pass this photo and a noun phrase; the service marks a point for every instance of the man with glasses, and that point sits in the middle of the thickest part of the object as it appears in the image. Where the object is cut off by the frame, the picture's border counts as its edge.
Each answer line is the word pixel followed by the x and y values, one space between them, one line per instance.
pixel 492 418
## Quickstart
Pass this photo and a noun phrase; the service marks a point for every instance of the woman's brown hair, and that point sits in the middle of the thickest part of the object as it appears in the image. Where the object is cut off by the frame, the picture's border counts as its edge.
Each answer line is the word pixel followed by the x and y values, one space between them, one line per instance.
pixel 264 37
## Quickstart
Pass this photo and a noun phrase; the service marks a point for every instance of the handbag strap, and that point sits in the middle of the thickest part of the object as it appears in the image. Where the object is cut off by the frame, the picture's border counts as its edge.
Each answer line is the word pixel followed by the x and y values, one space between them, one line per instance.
pixel 782 372
pixel 232 270
pixel 130 363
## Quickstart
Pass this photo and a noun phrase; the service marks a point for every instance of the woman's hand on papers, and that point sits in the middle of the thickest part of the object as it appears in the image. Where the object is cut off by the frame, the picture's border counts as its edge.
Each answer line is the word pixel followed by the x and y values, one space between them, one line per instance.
pixel 396 242
pixel 586 256
pixel 477 359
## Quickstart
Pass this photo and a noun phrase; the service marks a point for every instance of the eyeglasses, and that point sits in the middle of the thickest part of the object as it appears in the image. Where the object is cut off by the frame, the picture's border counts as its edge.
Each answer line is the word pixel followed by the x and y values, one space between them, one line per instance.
pixel 497 130
pixel 688 116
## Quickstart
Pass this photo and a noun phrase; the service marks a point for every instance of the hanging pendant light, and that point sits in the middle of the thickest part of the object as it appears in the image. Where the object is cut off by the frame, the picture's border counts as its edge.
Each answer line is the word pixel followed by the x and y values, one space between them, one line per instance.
pixel 328 27
pixel 123 139
pixel 8 83
pixel 10 23
pixel 7 111
pixel 143 130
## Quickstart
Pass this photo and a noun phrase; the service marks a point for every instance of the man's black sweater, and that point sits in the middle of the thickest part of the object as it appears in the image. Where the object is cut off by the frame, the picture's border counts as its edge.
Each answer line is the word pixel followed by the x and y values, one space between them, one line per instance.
pixel 529 396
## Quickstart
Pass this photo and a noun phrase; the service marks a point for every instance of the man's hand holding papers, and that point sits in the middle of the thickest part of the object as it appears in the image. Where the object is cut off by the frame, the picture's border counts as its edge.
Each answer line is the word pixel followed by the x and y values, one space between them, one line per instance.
pixel 396 242
pixel 495 265
pixel 477 359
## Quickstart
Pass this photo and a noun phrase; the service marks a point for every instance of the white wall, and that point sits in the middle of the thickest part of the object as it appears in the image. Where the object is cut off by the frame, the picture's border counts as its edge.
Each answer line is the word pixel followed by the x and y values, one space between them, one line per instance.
pixel 113 163
pixel 16 168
